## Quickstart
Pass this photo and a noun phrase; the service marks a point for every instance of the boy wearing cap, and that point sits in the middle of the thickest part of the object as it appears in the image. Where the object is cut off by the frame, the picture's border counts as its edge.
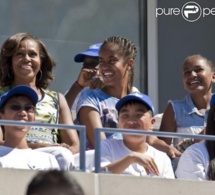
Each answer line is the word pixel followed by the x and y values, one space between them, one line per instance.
pixel 18 104
pixel 133 155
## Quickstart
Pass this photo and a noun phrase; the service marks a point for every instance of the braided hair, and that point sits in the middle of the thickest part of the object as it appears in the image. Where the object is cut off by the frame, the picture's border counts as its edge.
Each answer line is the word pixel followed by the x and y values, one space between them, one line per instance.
pixel 128 49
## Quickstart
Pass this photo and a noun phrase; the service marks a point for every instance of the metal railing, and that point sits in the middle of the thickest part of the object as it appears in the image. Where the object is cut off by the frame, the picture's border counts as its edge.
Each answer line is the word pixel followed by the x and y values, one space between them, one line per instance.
pixel 80 128
pixel 82 136
pixel 137 132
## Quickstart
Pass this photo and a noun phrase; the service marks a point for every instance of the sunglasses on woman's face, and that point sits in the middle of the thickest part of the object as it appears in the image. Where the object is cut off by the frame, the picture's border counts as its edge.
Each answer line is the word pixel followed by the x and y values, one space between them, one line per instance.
pixel 18 108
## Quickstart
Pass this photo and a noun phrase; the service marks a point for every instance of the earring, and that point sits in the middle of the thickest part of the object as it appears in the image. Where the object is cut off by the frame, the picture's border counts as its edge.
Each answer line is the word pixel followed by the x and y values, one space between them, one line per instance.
pixel 41 75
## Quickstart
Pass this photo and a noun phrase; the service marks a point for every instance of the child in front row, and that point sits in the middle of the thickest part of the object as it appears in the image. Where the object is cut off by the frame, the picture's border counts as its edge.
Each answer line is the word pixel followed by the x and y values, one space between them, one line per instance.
pixel 18 104
pixel 132 155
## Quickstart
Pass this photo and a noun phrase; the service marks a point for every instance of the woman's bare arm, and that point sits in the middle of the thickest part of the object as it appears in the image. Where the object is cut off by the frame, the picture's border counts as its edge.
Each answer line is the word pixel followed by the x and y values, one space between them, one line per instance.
pixel 168 123
pixel 91 119
pixel 1 136
pixel 68 136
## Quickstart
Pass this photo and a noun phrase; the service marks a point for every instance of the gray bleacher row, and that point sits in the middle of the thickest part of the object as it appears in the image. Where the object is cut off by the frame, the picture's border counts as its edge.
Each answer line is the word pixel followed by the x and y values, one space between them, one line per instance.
pixel 14 182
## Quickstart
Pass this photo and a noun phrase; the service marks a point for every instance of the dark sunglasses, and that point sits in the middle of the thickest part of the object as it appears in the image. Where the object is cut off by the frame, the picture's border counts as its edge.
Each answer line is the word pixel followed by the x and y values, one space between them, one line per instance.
pixel 90 64
pixel 18 108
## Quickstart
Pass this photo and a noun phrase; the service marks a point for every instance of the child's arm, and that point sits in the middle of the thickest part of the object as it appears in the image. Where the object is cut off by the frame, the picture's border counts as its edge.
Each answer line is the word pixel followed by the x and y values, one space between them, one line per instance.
pixel 1 136
pixel 67 136
pixel 84 79
pixel 168 123
pixel 144 160
pixel 91 119
pixel 163 146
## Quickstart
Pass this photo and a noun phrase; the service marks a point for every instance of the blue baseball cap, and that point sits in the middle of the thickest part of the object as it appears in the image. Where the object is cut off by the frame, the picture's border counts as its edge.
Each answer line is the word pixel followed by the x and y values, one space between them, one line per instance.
pixel 92 51
pixel 212 102
pixel 136 96
pixel 19 90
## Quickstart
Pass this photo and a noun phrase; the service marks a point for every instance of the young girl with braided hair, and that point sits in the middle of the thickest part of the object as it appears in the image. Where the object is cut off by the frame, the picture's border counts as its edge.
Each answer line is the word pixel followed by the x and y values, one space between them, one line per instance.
pixel 96 108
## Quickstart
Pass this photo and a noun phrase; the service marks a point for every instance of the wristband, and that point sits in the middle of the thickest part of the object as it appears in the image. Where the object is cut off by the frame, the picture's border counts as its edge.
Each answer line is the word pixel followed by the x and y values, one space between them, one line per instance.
pixel 76 83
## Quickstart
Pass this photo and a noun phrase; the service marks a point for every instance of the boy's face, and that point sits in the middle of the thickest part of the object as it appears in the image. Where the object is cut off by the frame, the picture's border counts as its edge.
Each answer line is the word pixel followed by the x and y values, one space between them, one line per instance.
pixel 135 116
pixel 18 108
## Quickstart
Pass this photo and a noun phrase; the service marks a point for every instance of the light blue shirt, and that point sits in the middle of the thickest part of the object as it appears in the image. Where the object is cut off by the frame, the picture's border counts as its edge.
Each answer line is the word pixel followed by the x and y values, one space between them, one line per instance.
pixel 187 117
pixel 104 104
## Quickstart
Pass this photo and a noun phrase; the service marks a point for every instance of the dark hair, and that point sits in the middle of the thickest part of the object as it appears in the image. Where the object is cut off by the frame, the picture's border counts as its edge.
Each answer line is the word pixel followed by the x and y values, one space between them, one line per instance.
pixel 54 182
pixel 128 49
pixel 7 51
pixel 211 170
pixel 133 102
pixel 209 63
pixel 210 130
pixel 210 145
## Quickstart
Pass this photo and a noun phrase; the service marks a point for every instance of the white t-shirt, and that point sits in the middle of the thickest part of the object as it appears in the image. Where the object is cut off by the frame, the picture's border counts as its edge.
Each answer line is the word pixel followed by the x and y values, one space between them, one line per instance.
pixel 113 150
pixel 193 164
pixel 26 159
pixel 64 156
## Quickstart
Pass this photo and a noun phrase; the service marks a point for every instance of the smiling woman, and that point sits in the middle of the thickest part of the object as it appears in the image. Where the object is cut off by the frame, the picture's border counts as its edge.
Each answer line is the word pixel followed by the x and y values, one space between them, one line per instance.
pixel 25 60
pixel 189 114
pixel 96 108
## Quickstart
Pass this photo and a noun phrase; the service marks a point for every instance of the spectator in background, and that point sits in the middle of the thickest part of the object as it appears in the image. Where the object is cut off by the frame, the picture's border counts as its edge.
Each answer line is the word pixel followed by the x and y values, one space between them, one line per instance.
pixel 88 77
pixel 54 183
pixel 25 60
pixel 18 104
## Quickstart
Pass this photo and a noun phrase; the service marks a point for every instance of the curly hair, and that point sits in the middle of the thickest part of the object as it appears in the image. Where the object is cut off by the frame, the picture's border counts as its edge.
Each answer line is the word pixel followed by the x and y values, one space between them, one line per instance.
pixel 8 49
pixel 128 49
